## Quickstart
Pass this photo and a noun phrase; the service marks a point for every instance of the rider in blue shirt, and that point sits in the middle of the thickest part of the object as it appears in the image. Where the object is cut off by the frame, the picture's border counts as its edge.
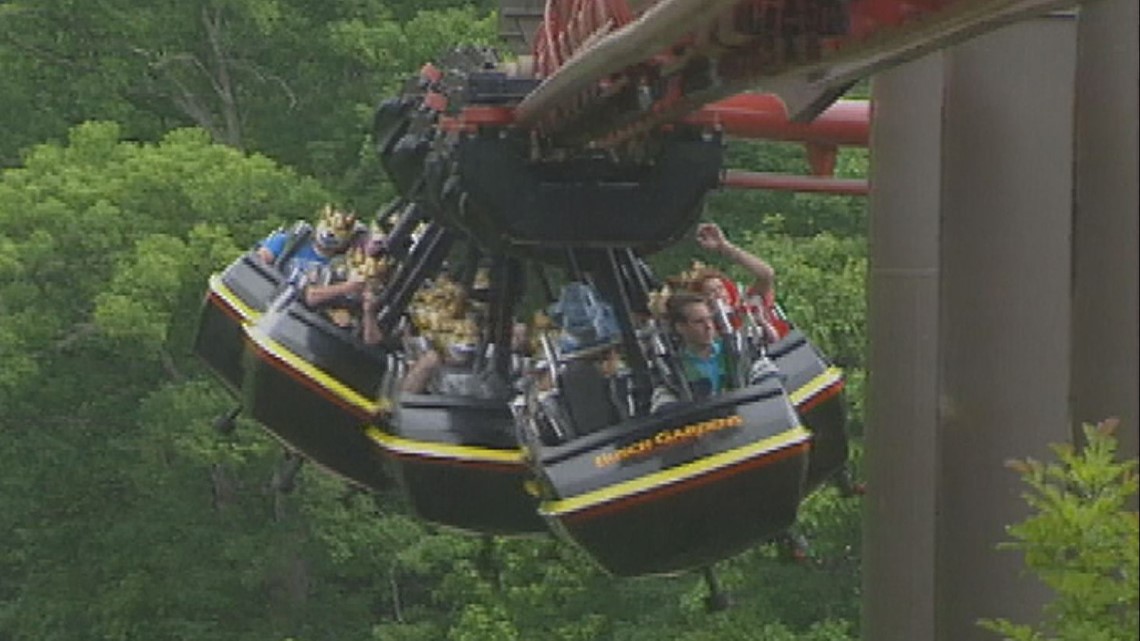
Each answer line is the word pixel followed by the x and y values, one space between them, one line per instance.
pixel 702 352
pixel 707 366
pixel 310 264
pixel 305 259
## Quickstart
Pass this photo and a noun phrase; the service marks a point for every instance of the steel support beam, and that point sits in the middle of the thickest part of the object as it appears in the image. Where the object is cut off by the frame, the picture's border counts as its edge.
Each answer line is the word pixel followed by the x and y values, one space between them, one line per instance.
pixel 735 179
pixel 764 116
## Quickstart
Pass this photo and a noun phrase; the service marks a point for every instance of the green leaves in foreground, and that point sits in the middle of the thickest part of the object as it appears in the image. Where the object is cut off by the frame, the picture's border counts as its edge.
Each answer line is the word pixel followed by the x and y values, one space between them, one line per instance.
pixel 1081 541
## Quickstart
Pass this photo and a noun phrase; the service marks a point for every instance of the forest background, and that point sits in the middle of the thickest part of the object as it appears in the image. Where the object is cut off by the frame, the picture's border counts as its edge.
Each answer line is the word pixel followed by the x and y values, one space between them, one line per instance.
pixel 146 144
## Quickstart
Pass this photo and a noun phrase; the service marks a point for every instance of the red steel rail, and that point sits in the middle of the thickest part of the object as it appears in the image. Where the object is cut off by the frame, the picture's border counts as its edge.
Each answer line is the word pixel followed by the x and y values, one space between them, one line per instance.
pixel 736 179
pixel 677 55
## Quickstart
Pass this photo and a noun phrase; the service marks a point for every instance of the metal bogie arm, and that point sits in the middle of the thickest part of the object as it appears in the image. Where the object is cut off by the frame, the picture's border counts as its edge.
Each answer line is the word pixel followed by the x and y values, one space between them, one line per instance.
pixel 426 258
pixel 398 240
pixel 506 287
pixel 659 350
pixel 665 360
pixel 550 403
pixel 755 339
pixel 635 357
pixel 544 283
pixel 469 268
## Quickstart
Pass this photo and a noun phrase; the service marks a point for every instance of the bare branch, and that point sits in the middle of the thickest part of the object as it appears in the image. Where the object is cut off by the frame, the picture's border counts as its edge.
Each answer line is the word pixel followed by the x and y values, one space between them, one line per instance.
pixel 397 610
pixel 169 366
pixel 264 76
pixel 77 333
pixel 224 84
pixel 185 99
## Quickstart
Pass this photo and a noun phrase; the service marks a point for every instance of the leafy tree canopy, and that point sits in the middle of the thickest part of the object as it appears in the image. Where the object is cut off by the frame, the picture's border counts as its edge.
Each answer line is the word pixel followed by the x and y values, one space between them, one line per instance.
pixel 294 79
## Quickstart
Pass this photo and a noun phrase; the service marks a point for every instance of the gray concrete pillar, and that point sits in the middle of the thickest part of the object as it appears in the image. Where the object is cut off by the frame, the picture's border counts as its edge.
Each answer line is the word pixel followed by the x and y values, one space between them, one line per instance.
pixel 1006 257
pixel 970 323
pixel 900 457
pixel 1105 270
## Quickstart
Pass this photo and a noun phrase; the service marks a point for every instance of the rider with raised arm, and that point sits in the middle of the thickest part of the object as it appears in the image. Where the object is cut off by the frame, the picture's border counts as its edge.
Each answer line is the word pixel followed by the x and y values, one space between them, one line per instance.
pixel 758 300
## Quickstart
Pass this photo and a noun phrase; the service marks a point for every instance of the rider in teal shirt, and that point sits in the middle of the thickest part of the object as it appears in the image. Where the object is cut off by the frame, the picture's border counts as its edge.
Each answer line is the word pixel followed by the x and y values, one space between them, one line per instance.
pixel 708 364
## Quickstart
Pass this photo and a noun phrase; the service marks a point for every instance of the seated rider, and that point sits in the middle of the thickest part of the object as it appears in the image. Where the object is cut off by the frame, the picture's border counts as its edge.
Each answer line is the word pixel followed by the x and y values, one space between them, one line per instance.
pixel 577 388
pixel 448 367
pixel 313 264
pixel 706 362
pixel 444 356
pixel 589 388
pixel 702 356
pixel 759 301
pixel 374 271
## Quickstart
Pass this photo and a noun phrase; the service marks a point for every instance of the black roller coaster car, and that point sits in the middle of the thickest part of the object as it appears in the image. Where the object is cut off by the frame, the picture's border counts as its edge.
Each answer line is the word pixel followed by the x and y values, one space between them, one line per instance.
pixel 682 489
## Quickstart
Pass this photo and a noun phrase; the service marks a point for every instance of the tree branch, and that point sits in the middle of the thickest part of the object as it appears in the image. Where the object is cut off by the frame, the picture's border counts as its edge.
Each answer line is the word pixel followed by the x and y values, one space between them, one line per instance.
pixel 264 76
pixel 77 333
pixel 169 366
pixel 223 84
pixel 397 611
pixel 184 98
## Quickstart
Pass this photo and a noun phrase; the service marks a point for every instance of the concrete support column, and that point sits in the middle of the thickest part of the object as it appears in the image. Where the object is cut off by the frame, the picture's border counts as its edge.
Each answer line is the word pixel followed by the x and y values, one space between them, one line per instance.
pixel 1006 257
pixel 902 413
pixel 1105 354
pixel 970 323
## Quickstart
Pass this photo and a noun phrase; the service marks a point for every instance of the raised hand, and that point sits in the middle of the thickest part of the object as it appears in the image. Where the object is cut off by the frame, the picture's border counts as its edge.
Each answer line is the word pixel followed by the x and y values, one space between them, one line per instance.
pixel 710 237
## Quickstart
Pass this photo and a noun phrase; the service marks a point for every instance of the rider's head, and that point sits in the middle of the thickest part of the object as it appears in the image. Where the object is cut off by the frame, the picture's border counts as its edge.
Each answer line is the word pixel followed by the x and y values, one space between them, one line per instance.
pixel 692 319
pixel 713 284
pixel 334 230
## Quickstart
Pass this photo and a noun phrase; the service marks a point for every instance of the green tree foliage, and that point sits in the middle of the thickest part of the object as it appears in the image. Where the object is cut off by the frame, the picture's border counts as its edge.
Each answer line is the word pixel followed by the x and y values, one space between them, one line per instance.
pixel 294 79
pixel 1082 541
pixel 120 516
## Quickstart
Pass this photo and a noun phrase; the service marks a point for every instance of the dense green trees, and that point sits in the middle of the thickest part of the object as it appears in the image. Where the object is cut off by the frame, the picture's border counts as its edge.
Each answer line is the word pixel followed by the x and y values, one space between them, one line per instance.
pixel 206 124
pixel 294 79
pixel 107 492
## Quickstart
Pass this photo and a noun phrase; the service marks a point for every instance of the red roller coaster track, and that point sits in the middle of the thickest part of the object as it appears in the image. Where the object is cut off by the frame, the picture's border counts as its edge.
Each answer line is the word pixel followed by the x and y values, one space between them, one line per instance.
pixel 657 62
pixel 613 72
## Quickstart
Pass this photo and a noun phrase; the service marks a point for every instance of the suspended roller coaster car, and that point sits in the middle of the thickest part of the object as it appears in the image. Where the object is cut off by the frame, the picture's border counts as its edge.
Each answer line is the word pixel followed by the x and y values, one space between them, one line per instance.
pixel 316 387
pixel 456 458
pixel 288 366
pixel 677 489
pixel 237 296
pixel 815 388
pixel 645 494
pixel 460 464
pixel 681 489
pixel 322 392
